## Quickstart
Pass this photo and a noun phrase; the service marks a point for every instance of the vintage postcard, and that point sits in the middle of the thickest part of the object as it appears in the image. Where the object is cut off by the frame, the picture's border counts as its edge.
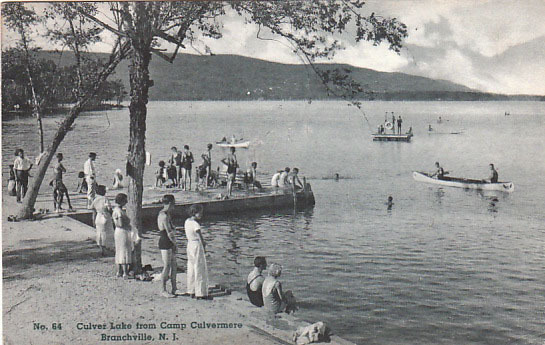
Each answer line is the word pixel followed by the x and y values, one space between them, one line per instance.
pixel 273 172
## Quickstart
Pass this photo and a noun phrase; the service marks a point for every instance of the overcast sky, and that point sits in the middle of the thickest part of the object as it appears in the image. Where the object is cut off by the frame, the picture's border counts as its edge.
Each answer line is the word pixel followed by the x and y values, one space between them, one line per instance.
pixel 489 45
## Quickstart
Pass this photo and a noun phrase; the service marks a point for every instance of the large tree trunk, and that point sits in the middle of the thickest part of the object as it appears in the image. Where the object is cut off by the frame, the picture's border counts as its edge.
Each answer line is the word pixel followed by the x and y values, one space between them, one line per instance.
pixel 27 208
pixel 140 83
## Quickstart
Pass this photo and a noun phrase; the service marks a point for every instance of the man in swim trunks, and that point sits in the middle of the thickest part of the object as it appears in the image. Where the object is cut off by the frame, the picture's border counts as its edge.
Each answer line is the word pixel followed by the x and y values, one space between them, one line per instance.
pixel 232 165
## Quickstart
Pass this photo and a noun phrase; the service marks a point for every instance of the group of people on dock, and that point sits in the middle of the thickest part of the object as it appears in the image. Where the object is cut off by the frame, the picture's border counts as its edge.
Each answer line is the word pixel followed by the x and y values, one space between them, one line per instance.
pixel 287 177
pixel 390 125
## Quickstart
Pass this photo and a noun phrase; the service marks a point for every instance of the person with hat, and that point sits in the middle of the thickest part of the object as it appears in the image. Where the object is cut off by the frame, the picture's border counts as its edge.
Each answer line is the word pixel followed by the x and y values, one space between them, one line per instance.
pixel 90 177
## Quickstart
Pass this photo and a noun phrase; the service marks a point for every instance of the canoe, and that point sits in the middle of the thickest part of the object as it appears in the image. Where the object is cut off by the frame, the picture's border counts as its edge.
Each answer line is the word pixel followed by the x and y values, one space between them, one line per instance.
pixel 464 182
pixel 240 144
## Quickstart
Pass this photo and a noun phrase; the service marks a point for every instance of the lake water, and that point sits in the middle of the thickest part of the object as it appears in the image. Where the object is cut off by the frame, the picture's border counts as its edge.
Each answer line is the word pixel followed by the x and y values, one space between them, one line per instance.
pixel 443 266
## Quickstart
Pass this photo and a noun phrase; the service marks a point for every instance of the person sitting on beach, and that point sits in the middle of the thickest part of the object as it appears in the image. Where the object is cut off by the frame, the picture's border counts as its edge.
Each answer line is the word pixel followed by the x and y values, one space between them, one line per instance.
pixel 102 220
pixel 82 183
pixel 294 180
pixel 254 282
pixel 59 189
pixel 283 180
pixel 274 299
pixel 439 173
pixel 160 174
pixel 118 179
pixel 493 178
pixel 167 245
pixel 275 179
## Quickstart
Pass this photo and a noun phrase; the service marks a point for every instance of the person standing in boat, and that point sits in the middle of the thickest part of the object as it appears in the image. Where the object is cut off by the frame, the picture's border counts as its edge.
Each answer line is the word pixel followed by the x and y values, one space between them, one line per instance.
pixel 493 178
pixel 232 165
pixel 399 121
pixel 439 172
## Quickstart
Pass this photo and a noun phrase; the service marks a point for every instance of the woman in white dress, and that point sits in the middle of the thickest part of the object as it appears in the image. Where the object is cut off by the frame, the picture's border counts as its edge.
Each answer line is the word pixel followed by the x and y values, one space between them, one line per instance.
pixel 102 218
pixel 125 238
pixel 197 271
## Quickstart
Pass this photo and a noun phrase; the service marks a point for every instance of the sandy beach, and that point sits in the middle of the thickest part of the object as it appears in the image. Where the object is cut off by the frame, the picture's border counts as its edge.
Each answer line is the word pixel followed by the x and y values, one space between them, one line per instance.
pixel 58 289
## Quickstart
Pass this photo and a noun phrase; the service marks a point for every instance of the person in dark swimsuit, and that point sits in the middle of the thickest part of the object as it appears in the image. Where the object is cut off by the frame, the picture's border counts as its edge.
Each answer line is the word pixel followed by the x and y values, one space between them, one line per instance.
pixel 167 245
pixel 255 281
pixel 59 189
pixel 187 164
pixel 232 165
pixel 176 162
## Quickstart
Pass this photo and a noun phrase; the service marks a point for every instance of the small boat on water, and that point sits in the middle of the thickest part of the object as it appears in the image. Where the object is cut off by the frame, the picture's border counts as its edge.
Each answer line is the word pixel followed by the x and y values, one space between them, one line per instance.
pixel 237 144
pixel 464 182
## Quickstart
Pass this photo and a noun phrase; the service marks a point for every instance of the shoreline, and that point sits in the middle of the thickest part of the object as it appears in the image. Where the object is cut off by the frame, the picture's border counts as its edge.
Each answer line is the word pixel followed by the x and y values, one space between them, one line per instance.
pixel 47 260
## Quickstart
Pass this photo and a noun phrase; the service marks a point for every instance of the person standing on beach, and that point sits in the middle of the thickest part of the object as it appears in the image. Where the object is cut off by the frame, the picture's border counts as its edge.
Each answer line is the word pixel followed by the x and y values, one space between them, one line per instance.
pixel 167 245
pixel 124 237
pixel 90 177
pixel 21 166
pixel 59 189
pixel 232 165
pixel 176 162
pixel 197 271
pixel 399 121
pixel 187 164
pixel 102 219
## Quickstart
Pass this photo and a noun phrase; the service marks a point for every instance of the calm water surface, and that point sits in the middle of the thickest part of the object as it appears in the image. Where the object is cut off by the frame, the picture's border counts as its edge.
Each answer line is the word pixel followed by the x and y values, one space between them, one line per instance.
pixel 444 266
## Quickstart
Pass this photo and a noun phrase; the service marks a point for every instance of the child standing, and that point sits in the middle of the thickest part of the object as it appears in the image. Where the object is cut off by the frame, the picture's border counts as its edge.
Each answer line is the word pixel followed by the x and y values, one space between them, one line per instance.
pixel 160 174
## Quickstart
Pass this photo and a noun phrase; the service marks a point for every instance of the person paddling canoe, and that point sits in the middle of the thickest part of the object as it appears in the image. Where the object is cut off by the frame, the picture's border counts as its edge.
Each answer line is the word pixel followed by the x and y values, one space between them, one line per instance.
pixel 439 173
pixel 493 178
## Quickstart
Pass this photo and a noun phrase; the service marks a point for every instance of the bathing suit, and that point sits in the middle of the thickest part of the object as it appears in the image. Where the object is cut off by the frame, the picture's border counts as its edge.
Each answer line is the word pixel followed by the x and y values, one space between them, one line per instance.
pixel 164 241
pixel 187 160
pixel 256 297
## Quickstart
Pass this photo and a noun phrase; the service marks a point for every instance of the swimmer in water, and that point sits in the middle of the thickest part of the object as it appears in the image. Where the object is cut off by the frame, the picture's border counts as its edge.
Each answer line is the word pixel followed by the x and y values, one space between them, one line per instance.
pixel 390 202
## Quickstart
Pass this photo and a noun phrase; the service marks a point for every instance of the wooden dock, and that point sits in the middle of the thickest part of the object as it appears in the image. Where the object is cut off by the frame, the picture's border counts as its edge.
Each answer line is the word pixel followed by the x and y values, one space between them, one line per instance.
pixel 242 199
pixel 393 137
